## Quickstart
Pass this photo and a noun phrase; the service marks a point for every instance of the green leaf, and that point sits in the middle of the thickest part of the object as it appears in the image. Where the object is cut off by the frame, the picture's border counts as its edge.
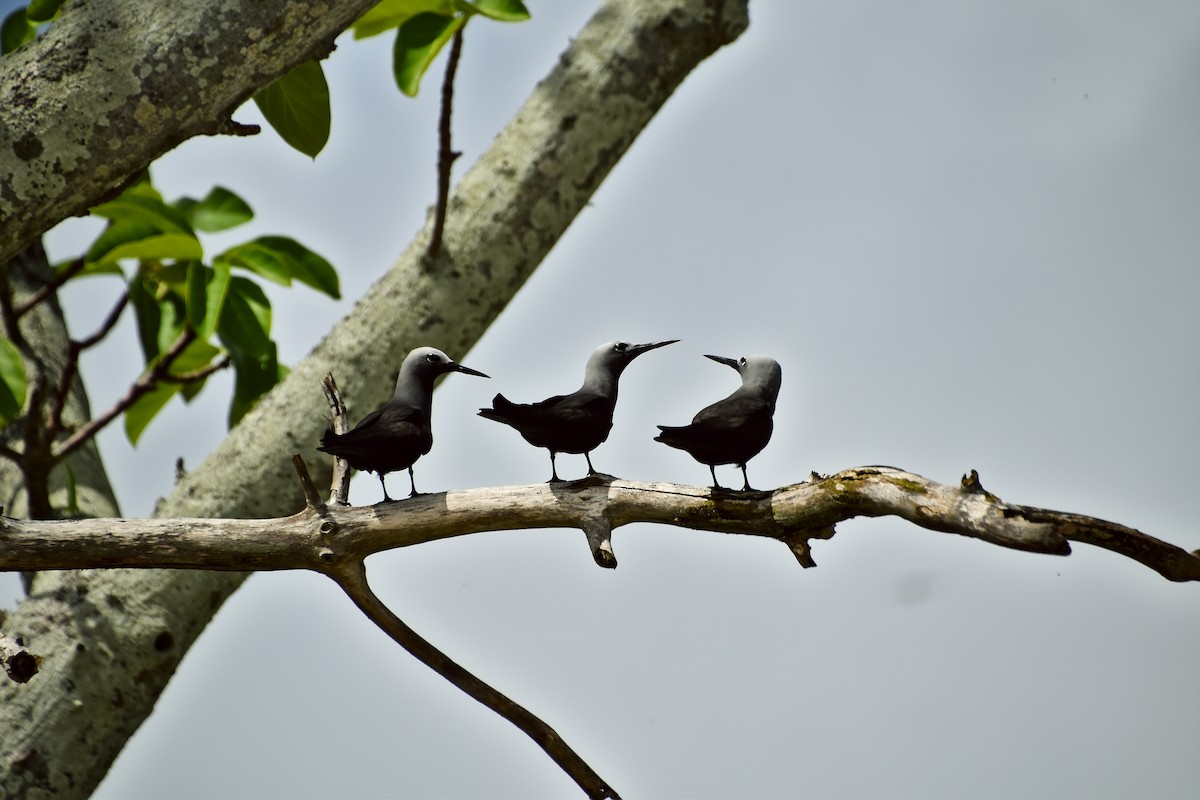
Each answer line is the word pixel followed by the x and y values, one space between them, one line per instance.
pixel 245 324
pixel 206 290
pixel 148 210
pixel 40 11
pixel 90 268
pixel 148 315
pixel 502 10
pixel 138 416
pixel 390 14
pixel 254 376
pixel 146 408
pixel 282 260
pixel 418 42
pixel 13 385
pixel 151 247
pixel 15 31
pixel 297 106
pixel 220 210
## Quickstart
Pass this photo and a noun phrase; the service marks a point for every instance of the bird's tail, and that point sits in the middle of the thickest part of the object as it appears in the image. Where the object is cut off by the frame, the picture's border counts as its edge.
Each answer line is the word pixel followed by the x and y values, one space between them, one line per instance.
pixel 327 438
pixel 501 406
pixel 669 436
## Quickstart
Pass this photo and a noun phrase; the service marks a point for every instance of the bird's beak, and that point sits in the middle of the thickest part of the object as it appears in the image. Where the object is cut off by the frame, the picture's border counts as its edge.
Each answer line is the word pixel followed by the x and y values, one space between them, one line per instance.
pixel 637 349
pixel 729 362
pixel 468 370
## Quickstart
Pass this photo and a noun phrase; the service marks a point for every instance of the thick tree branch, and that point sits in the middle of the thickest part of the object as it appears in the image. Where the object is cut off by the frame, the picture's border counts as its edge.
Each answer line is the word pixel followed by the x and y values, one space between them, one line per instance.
pixel 170 71
pixel 19 664
pixel 792 514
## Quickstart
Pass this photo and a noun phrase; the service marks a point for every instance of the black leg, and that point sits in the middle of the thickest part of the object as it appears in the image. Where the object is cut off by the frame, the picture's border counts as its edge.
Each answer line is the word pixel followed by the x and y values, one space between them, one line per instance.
pixel 553 472
pixel 713 469
pixel 591 469
pixel 412 482
pixel 386 499
pixel 745 479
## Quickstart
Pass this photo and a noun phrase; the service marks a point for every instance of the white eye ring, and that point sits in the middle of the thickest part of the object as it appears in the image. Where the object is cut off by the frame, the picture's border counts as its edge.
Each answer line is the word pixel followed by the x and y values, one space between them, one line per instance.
pixel 432 358
pixel 742 361
pixel 620 347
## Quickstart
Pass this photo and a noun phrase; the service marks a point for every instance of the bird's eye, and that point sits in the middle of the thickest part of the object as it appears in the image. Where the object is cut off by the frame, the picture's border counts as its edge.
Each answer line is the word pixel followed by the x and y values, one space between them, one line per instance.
pixel 432 358
pixel 742 361
pixel 620 347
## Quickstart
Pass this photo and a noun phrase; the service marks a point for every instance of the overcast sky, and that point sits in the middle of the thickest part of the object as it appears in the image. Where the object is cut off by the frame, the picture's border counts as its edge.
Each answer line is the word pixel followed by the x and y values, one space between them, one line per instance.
pixel 968 232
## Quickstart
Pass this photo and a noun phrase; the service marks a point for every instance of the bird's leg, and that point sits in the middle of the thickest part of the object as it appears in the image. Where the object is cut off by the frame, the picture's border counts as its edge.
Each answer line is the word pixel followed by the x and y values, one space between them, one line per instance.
pixel 412 482
pixel 745 479
pixel 713 469
pixel 386 499
pixel 591 469
pixel 553 472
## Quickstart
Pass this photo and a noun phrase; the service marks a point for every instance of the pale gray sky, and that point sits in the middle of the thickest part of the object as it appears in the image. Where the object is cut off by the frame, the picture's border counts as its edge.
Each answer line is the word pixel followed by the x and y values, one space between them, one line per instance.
pixel 968 231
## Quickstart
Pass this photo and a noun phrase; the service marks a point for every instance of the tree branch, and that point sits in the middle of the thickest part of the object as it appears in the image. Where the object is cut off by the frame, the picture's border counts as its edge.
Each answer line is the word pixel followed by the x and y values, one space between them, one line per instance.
pixel 793 514
pixel 50 287
pixel 144 383
pixel 446 156
pixel 351 575
pixel 71 364
pixel 171 72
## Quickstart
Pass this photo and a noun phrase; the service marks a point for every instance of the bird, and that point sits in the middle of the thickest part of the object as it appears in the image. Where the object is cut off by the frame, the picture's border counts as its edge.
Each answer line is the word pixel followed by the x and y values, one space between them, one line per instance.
pixel 733 430
pixel 398 433
pixel 576 422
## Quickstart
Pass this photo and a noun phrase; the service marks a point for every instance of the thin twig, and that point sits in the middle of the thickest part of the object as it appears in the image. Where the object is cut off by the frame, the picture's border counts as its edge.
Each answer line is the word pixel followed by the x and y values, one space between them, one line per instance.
pixel 446 156
pixel 71 365
pixel 144 384
pixel 197 374
pixel 352 577
pixel 311 497
pixel 50 287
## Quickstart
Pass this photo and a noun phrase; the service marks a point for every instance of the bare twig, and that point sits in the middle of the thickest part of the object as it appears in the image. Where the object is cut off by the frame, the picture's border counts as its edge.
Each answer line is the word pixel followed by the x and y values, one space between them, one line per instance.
pixel 352 577
pixel 71 366
pixel 196 374
pixel 446 156
pixel 312 499
pixel 50 287
pixel 339 489
pixel 144 383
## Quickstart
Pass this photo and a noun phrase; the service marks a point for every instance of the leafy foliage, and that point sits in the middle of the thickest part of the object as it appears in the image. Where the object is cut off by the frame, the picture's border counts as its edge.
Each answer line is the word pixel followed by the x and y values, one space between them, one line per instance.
pixel 297 107
pixel 174 292
pixel 12 382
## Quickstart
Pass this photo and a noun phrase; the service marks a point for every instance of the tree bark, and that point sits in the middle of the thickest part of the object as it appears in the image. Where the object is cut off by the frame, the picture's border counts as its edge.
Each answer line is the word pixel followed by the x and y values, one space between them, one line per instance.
pixel 125 630
pixel 321 538
pixel 112 85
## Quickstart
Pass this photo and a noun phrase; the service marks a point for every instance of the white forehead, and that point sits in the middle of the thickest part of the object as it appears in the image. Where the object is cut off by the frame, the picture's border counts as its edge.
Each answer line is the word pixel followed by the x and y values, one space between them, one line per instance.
pixel 423 353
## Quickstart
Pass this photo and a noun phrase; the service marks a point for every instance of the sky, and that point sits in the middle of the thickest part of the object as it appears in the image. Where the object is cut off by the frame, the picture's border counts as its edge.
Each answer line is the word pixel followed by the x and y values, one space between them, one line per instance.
pixel 967 231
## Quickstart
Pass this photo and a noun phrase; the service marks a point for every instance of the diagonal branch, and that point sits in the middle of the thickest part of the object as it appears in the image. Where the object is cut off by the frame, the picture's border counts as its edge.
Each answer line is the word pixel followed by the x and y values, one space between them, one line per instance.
pixel 351 575
pixel 144 384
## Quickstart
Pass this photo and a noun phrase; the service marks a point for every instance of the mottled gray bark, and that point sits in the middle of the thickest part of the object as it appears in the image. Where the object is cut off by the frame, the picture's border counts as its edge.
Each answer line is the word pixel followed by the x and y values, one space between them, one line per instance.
pixel 111 651
pixel 113 84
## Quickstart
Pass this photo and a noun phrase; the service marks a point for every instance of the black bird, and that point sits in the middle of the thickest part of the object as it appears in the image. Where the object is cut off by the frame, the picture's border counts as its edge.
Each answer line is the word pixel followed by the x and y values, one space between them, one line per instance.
pixel 733 430
pixel 577 422
pixel 396 435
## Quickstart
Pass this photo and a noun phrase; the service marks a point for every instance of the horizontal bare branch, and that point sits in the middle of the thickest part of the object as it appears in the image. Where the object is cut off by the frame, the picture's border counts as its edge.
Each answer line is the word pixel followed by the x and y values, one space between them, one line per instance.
pixel 324 539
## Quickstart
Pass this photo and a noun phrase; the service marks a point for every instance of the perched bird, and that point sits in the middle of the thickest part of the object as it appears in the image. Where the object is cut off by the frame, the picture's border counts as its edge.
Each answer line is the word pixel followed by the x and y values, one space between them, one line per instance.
pixel 733 430
pixel 577 422
pixel 397 434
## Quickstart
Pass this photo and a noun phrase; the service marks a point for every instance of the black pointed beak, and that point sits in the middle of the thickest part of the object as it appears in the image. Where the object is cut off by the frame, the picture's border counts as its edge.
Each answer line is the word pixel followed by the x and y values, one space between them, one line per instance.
pixel 637 349
pixel 729 362
pixel 467 370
